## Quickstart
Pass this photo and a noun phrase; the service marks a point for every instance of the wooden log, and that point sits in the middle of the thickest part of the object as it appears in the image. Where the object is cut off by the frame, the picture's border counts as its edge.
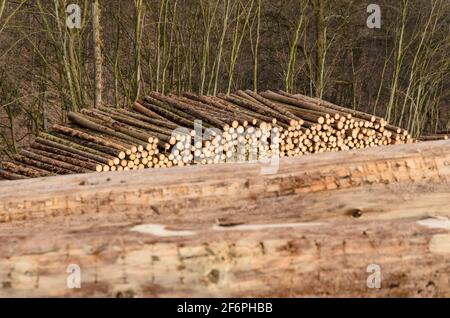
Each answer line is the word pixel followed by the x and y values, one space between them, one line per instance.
pixel 237 247
pixel 130 143
pixel 433 137
pixel 41 165
pixel 228 107
pixel 150 255
pixel 107 158
pixel 100 126
pixel 67 148
pixel 156 131
pixel 290 100
pixel 60 152
pixel 188 109
pixel 173 117
pixel 209 101
pixel 87 165
pixel 355 113
pixel 8 175
pixel 213 112
pixel 309 174
pixel 258 108
pixel 137 106
pixel 279 108
pixel 20 169
pixel 52 161
pixel 117 126
pixel 91 145
pixel 162 123
pixel 82 135
pixel 260 117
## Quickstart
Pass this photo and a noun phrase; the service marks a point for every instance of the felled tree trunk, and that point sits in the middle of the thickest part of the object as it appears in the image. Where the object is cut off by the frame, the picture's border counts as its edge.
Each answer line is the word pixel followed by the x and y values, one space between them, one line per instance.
pixel 340 224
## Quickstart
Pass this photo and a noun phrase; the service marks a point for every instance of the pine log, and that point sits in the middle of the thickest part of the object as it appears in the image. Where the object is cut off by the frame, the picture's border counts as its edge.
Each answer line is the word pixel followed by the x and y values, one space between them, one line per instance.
pixel 52 161
pixel 160 132
pixel 258 108
pixel 355 113
pixel 229 108
pixel 42 165
pixel 60 152
pixel 108 159
pixel 186 108
pixel 20 169
pixel 433 137
pixel 298 103
pixel 200 105
pixel 163 105
pixel 87 165
pixel 173 117
pixel 99 126
pixel 115 125
pixel 7 175
pixel 68 148
pixel 278 107
pixel 162 123
pixel 229 237
pixel 82 135
pixel 262 118
pixel 137 106
pixel 126 143
pixel 91 145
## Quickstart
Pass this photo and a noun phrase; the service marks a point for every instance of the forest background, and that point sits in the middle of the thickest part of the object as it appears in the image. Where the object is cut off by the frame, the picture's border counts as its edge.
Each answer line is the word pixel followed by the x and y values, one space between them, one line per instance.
pixel 122 49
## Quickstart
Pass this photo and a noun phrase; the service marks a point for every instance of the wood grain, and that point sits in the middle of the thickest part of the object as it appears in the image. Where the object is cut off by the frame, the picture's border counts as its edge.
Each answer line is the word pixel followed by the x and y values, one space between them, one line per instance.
pixel 310 229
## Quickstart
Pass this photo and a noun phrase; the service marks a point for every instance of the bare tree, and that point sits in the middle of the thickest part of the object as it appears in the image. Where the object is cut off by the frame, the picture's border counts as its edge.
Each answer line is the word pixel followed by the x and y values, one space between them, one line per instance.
pixel 98 56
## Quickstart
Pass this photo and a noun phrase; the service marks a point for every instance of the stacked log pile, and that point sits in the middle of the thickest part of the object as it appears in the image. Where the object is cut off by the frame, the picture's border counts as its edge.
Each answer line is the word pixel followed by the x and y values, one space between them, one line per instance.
pixel 167 130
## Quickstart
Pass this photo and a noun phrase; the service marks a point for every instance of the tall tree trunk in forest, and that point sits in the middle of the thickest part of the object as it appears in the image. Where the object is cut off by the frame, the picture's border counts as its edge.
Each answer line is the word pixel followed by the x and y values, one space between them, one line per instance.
pixel 10 115
pixel 255 46
pixel 139 21
pixel 292 57
pixel 390 111
pixel 98 43
pixel 2 7
pixel 226 13
pixel 237 37
pixel 321 45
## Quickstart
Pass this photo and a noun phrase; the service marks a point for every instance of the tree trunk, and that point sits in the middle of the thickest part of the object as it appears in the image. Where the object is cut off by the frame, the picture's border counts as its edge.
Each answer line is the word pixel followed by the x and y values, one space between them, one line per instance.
pixel 24 170
pixel 320 226
pixel 52 161
pixel 98 56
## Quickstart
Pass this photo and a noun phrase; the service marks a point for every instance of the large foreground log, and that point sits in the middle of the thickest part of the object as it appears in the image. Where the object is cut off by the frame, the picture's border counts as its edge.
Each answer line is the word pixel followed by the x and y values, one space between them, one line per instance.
pixel 315 227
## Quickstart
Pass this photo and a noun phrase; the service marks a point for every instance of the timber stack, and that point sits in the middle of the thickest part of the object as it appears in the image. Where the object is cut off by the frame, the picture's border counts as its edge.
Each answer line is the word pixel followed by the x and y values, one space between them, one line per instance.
pixel 162 131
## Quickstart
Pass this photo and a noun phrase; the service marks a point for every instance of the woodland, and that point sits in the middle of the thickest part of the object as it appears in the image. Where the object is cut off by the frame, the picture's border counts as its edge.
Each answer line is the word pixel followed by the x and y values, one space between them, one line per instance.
pixel 123 50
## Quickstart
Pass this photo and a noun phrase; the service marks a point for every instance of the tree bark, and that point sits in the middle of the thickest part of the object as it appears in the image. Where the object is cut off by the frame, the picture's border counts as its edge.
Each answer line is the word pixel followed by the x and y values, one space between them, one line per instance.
pixel 66 145
pixel 7 175
pixel 91 123
pixel 82 135
pixel 52 161
pixel 68 157
pixel 41 165
pixel 24 170
pixel 336 217
pixel 98 55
